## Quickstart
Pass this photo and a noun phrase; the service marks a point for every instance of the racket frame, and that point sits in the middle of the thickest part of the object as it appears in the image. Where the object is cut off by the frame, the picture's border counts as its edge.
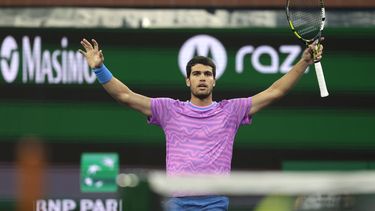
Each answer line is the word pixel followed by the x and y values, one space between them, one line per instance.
pixel 317 64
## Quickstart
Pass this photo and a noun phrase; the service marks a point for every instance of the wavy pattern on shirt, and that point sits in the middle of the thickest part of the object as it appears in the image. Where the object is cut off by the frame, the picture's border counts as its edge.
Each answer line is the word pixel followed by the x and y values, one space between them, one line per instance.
pixel 199 140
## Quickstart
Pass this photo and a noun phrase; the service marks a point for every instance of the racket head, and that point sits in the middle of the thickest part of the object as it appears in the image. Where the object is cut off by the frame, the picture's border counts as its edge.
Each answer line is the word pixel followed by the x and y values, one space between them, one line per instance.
pixel 306 18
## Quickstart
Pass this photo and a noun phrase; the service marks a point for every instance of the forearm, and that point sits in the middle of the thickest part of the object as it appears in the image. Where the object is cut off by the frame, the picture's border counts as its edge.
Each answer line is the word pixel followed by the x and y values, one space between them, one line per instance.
pixel 112 85
pixel 285 83
pixel 117 89
pixel 121 93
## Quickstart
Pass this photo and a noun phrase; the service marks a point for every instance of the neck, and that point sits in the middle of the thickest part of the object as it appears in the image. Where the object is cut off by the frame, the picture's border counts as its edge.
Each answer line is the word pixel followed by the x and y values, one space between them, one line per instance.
pixel 201 102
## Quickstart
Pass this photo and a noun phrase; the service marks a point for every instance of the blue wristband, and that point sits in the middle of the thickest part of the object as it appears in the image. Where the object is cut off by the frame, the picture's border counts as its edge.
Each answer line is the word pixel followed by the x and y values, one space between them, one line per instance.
pixel 103 74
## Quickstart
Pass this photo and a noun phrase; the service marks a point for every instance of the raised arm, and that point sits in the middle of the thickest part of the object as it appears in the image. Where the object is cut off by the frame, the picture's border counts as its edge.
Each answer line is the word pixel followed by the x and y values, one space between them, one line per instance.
pixel 281 87
pixel 112 85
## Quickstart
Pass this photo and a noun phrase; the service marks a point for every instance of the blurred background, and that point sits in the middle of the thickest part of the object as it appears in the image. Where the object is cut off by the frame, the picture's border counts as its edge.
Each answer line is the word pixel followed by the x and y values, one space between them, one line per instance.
pixel 53 112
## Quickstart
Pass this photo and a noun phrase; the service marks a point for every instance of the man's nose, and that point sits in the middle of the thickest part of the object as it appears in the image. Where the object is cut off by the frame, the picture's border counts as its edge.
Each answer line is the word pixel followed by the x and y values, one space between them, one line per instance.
pixel 202 77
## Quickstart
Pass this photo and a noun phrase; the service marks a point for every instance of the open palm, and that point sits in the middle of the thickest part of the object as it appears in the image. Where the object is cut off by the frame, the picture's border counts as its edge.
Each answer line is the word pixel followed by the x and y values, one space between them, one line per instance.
pixel 93 55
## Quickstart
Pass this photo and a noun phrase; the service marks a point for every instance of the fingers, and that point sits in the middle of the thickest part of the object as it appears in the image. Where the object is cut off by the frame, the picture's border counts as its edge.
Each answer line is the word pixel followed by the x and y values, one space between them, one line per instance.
pixel 311 48
pixel 96 45
pixel 316 47
pixel 321 47
pixel 318 41
pixel 314 51
pixel 318 57
pixel 86 44
pixel 101 55
pixel 318 52
pixel 82 52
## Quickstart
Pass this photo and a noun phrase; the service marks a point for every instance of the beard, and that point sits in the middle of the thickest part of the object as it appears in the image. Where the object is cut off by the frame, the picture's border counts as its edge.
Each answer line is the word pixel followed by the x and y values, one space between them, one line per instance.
pixel 201 95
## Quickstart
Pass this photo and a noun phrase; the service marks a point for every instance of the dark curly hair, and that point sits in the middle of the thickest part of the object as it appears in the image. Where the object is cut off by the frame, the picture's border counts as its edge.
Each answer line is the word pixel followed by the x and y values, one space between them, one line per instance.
pixel 200 60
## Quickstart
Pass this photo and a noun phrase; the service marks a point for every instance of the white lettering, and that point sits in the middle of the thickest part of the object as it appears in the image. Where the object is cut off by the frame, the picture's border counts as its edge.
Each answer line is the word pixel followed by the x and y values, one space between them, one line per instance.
pixel 46 69
pixel 54 205
pixel 57 67
pixel 86 204
pixel 41 205
pixel 99 206
pixel 64 67
pixel 111 205
pixel 9 53
pixel 74 67
pixel 68 205
pixel 266 69
pixel 64 60
pixel 240 57
pixel 71 205
pixel 31 59
pixel 293 51
pixel 89 75
pixel 53 67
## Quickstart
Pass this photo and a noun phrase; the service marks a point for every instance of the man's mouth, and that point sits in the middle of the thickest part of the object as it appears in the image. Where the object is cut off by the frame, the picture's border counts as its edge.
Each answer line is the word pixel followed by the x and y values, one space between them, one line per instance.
pixel 202 85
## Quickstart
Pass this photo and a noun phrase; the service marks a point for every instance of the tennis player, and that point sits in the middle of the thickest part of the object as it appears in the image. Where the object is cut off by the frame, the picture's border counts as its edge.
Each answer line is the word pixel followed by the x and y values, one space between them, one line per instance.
pixel 200 132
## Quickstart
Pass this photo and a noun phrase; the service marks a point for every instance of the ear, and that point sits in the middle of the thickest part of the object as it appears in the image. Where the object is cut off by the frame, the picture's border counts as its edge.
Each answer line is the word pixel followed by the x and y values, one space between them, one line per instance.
pixel 214 83
pixel 187 81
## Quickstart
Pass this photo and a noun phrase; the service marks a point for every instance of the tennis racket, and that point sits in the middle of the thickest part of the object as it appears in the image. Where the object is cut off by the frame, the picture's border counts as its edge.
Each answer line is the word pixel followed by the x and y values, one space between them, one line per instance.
pixel 306 19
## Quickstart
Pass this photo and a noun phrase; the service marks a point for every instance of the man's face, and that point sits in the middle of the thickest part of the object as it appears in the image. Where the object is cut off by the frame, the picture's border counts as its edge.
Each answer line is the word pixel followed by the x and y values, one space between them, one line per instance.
pixel 201 81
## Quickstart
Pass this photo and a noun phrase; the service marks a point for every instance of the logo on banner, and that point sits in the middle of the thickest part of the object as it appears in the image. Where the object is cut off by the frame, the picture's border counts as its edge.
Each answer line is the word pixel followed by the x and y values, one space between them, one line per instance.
pixel 203 45
pixel 28 61
pixel 264 59
pixel 99 172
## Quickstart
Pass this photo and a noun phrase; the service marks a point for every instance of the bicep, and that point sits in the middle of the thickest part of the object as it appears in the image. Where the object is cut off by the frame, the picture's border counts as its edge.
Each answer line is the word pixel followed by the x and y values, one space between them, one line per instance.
pixel 263 99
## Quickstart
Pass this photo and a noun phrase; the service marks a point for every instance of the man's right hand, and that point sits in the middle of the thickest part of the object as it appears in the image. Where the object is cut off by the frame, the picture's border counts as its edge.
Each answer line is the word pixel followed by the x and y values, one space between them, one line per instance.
pixel 93 55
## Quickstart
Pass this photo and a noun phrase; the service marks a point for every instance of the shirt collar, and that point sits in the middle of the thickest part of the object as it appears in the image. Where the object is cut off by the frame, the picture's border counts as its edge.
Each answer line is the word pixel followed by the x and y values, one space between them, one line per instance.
pixel 202 108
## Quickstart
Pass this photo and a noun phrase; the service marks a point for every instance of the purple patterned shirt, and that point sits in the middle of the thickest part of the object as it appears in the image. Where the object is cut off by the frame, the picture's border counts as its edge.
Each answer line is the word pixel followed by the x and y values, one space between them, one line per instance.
pixel 199 139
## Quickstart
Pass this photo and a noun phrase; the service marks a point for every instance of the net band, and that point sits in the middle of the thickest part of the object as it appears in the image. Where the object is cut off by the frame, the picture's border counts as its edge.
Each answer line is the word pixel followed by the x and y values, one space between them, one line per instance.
pixel 264 183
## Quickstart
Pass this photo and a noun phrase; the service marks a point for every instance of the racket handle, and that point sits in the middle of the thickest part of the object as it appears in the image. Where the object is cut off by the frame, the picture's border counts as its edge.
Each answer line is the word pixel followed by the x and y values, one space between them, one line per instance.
pixel 321 80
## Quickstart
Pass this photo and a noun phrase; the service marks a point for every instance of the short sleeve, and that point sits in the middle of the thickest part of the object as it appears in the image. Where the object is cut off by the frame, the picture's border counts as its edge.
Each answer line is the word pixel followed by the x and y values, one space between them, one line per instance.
pixel 241 108
pixel 160 110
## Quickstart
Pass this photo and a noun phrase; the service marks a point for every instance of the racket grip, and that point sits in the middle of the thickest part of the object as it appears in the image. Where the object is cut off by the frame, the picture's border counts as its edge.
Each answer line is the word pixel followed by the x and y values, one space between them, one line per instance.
pixel 321 80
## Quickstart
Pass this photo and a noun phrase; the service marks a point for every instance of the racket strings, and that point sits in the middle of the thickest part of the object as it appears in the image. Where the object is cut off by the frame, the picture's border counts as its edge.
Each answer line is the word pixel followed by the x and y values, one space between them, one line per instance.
pixel 306 17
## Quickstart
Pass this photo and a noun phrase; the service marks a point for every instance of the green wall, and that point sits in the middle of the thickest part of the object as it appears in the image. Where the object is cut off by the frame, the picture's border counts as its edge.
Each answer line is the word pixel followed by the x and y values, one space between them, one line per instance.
pixel 147 61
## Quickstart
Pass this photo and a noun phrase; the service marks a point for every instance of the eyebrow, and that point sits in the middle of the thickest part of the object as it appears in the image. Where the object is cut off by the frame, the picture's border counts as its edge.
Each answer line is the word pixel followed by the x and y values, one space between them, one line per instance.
pixel 200 71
